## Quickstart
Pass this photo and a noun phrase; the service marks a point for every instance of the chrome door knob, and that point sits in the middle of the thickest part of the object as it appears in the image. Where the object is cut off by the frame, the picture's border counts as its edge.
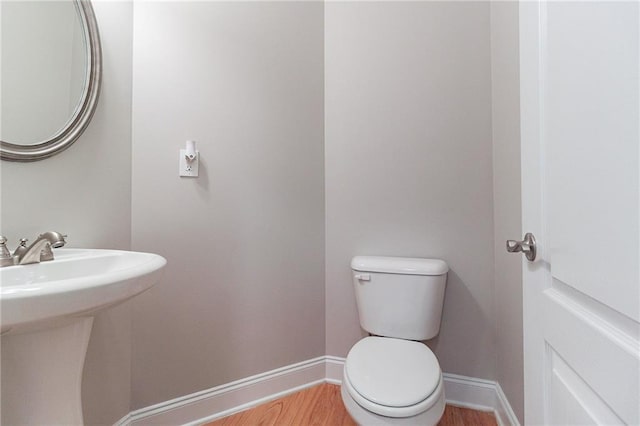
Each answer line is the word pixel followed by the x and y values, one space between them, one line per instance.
pixel 526 246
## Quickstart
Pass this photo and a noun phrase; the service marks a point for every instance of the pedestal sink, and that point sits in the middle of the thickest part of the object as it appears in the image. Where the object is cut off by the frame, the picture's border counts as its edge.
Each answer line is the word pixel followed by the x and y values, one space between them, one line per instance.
pixel 46 314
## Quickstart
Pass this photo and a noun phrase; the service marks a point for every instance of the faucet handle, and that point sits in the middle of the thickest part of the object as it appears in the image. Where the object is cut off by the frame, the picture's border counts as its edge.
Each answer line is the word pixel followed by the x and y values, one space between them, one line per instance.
pixel 4 251
pixel 22 247
pixel 5 255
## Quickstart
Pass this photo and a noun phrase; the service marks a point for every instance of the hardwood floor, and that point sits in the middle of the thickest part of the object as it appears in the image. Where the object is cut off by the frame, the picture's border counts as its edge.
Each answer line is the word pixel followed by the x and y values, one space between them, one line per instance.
pixel 322 406
pixel 457 416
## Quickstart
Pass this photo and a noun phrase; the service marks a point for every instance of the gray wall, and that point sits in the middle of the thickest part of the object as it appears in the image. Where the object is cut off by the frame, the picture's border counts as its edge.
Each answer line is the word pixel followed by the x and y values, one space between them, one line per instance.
pixel 506 200
pixel 85 192
pixel 408 162
pixel 243 291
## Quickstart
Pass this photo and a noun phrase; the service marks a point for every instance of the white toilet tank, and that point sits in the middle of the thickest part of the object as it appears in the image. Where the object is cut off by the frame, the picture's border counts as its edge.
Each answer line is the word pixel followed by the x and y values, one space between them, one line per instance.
pixel 398 296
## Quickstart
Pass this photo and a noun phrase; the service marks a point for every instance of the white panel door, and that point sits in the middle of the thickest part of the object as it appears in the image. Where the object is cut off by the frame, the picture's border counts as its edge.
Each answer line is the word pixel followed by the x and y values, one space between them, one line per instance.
pixel 580 97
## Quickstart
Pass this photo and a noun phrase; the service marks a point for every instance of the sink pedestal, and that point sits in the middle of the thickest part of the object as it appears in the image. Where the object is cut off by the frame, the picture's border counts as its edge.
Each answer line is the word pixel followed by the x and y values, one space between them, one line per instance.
pixel 46 313
pixel 42 374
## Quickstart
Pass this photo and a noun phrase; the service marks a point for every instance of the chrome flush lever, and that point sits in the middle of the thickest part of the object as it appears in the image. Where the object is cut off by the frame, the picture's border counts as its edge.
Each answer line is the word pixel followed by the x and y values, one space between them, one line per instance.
pixel 526 246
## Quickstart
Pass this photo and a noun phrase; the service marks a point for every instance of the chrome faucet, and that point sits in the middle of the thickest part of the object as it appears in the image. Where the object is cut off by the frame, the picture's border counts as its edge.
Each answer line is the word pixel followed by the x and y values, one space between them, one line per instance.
pixel 42 245
pixel 39 251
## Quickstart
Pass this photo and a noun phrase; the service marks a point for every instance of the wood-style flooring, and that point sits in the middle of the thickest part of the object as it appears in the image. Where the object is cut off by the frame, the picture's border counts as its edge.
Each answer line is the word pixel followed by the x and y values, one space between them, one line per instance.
pixel 322 406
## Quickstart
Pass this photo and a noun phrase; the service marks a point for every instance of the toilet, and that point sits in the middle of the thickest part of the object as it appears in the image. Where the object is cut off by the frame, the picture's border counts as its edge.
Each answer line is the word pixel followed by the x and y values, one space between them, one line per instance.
pixel 391 377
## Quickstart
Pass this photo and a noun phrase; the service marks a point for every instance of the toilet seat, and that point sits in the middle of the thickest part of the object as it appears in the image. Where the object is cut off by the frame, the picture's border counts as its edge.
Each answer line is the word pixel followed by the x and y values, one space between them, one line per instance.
pixel 392 377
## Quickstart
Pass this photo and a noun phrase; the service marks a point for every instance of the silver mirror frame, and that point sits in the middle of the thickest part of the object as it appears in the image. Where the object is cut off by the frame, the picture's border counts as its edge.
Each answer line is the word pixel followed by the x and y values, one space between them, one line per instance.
pixel 83 113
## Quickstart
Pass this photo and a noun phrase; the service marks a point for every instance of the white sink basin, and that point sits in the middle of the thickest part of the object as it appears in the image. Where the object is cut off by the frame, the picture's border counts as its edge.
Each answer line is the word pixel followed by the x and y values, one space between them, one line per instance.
pixel 78 281
pixel 46 314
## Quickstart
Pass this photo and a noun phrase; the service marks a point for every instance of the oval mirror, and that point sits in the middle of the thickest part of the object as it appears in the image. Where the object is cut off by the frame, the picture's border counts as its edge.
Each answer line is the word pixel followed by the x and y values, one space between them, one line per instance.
pixel 50 72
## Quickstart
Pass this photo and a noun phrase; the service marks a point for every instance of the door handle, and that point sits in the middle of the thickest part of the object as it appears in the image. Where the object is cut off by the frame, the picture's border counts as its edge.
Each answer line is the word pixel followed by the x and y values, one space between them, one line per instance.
pixel 526 246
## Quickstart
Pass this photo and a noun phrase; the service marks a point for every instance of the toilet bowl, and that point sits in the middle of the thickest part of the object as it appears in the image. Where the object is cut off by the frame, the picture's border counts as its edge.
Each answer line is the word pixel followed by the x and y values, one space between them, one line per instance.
pixel 393 382
pixel 391 378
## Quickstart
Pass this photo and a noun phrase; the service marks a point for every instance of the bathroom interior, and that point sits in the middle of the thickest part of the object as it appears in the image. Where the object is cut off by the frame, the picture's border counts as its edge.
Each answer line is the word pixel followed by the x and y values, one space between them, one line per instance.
pixel 325 130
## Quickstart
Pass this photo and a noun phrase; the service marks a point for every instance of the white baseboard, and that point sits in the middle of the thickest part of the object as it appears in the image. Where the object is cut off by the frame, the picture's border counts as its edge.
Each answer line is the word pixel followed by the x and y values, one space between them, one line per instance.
pixel 479 394
pixel 504 412
pixel 333 371
pixel 220 401
pixel 230 398
pixel 469 392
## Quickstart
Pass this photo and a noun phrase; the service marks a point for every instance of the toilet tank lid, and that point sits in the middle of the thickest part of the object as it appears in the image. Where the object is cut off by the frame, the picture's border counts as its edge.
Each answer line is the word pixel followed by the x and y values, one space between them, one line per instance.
pixel 399 265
